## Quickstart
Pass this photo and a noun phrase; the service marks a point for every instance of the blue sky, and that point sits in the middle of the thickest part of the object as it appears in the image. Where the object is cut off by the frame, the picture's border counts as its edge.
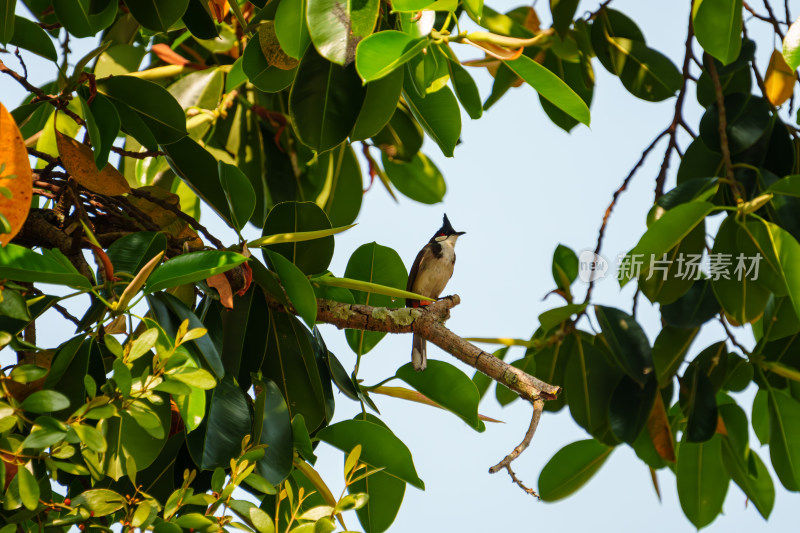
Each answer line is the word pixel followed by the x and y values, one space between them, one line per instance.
pixel 519 186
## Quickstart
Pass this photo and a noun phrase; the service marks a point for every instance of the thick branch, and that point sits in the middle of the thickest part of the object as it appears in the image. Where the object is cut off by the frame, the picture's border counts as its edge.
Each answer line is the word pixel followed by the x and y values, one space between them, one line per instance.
pixel 429 324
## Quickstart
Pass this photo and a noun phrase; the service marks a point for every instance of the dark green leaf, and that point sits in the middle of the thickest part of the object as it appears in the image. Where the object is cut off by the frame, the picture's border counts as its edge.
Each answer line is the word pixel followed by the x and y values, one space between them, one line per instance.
pixel 630 407
pixel 465 88
pixel 646 73
pixel 337 184
pixel 627 342
pixel 7 21
pixel 264 76
pixel 77 18
pixel 325 101
pixel 669 351
pixel 291 28
pixel 199 20
pixel 273 428
pixel 747 117
pixel 131 252
pixel 694 308
pixel 239 193
pixel 158 109
pixel 29 35
pixel 219 438
pixel 157 15
pixel 570 468
pixel 563 11
pixel 699 403
pixel 449 387
pixel 311 257
pixel 784 437
pixel 565 267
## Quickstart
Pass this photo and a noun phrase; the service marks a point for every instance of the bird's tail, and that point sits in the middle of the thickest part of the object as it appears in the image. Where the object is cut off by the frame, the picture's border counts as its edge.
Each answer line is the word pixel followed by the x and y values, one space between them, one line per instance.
pixel 419 356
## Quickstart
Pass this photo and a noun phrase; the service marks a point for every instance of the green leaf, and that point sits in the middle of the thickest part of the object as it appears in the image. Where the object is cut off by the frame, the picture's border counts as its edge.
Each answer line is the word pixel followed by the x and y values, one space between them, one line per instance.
pixel 784 437
pixel 380 448
pixel 550 87
pixel 273 427
pixel 291 28
pixel 89 435
pixel 292 365
pixel 664 234
pixel 157 108
pixel 78 18
pixel 100 502
pixel 565 267
pixel 554 317
pixel 325 101
pixel 336 28
pixel 570 468
pixel 449 387
pixel 45 401
pixel 157 15
pixel 438 114
pixel 132 252
pixel 191 267
pixel 239 193
pixel 645 73
pixel 27 373
pixel 8 20
pixel 591 381
pixel 28 489
pixel 219 438
pixel 742 298
pixel 474 9
pixel 375 264
pixel 311 257
pixel 418 179
pixel 628 344
pixel 381 53
pixel 380 103
pixel 669 351
pixel 199 21
pixel 192 162
pixel 579 76
pixel 107 125
pixel 788 252
pixel 297 286
pixel 563 11
pixel 748 118
pixel 465 88
pixel 694 308
pixel 29 36
pixel 791 46
pixel 718 27
pixel 337 184
pixel 263 75
pixel 630 407
pixel 702 480
pixel 51 266
pixel 698 401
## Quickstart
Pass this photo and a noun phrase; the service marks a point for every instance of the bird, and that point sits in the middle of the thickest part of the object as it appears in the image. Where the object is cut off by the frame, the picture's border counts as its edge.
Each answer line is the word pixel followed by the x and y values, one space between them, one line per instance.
pixel 431 271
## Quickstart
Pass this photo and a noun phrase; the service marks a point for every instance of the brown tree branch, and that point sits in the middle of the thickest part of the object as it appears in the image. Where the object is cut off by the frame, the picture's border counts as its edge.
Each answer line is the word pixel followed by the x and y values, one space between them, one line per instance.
pixel 723 129
pixel 538 407
pixel 428 323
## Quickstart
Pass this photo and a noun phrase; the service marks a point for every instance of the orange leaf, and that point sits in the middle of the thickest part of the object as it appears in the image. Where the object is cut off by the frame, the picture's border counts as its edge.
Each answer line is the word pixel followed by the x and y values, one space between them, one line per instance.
pixel 220 282
pixel 660 431
pixel 220 8
pixel 168 55
pixel 79 162
pixel 16 179
pixel 779 80
pixel 496 51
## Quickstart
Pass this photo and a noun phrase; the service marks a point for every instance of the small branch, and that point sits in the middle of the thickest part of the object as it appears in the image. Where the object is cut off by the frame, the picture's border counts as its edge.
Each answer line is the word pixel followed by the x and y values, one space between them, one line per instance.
pixel 183 216
pixel 40 94
pixel 66 314
pixel 729 333
pixel 136 155
pixel 613 203
pixel 723 129
pixel 22 63
pixel 677 118
pixel 538 407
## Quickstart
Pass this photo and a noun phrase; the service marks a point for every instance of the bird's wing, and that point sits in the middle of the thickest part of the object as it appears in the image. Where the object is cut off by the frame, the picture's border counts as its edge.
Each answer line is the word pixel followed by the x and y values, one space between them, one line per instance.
pixel 412 276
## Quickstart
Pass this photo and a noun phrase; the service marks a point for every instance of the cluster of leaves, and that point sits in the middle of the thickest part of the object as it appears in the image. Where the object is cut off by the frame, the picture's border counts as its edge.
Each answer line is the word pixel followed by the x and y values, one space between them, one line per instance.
pixel 230 391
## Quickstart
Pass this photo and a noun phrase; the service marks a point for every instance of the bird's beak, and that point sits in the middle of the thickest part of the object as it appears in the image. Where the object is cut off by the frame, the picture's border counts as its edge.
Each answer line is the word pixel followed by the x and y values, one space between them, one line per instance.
pixel 460 233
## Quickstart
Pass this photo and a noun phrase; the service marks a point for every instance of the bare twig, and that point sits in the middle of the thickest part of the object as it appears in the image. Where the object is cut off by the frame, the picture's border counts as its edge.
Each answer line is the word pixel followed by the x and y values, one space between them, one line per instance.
pixel 40 94
pixel 538 407
pixel 613 203
pixel 136 155
pixel 66 314
pixel 723 129
pixel 677 119
pixel 729 333
pixel 21 62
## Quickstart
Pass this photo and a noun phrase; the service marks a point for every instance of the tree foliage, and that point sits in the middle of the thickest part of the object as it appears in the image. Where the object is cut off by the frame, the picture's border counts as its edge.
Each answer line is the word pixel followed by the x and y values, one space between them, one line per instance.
pixel 196 367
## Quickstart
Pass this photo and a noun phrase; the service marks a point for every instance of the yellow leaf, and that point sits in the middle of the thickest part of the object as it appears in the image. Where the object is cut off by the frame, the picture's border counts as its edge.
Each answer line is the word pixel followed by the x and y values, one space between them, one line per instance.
pixel 779 80
pixel 15 177
pixel 660 431
pixel 79 162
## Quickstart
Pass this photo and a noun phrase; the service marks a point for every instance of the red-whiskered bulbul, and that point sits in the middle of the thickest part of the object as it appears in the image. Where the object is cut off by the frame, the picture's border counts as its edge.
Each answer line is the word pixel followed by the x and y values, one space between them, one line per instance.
pixel 431 271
